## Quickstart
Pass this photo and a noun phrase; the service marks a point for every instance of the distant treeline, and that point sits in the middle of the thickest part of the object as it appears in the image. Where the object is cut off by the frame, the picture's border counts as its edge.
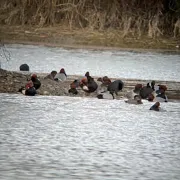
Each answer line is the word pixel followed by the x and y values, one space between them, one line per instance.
pixel 133 17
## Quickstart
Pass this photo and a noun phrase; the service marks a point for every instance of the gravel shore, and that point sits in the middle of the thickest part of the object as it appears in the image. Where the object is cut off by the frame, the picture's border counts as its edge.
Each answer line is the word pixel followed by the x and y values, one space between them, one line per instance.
pixel 11 81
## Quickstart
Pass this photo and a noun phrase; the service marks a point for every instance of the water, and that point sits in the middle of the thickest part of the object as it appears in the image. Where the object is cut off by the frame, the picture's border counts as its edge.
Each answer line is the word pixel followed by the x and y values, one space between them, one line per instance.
pixel 119 64
pixel 81 138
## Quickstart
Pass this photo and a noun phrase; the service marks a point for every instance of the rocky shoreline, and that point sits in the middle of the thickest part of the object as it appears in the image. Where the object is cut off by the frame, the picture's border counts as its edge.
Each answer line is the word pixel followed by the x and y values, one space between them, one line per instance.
pixel 11 81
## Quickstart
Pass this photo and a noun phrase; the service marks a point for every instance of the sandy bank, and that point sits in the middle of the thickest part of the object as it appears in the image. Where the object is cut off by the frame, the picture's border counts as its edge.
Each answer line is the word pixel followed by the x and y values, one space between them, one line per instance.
pixel 10 82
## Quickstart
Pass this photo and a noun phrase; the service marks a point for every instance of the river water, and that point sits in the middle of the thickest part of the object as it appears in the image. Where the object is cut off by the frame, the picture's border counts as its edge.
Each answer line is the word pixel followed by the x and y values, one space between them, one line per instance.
pixel 70 138
pixel 82 138
pixel 120 64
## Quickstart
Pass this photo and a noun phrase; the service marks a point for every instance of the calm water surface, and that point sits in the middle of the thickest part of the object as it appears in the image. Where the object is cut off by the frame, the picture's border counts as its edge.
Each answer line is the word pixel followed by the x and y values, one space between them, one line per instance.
pixel 80 138
pixel 120 64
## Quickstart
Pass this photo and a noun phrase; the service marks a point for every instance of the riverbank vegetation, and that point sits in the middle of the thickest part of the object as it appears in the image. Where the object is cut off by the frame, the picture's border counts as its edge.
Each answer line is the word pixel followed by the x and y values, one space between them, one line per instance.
pixel 120 19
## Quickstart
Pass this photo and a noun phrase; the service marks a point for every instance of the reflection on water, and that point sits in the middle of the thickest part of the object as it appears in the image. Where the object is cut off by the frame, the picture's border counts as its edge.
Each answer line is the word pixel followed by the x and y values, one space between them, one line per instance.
pixel 122 64
pixel 77 138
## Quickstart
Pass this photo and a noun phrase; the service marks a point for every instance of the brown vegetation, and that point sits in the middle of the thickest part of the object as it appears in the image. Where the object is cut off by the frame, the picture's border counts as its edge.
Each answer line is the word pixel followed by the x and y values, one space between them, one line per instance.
pixel 136 18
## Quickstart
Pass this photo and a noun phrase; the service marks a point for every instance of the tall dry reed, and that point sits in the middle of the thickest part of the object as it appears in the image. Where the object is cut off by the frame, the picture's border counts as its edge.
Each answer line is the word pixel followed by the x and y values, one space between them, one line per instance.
pixel 133 17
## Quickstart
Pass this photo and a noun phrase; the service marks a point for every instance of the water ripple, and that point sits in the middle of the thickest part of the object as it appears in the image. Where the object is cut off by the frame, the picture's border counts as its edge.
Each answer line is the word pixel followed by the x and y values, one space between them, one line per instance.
pixel 118 64
pixel 78 138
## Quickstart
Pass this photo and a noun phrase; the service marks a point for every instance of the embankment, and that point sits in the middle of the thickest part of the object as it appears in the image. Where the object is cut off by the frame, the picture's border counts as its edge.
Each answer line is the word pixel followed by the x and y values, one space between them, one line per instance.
pixel 10 82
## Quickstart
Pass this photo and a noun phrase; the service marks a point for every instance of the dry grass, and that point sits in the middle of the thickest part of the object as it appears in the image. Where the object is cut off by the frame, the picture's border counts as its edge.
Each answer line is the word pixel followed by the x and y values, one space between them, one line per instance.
pixel 132 17
pixel 62 36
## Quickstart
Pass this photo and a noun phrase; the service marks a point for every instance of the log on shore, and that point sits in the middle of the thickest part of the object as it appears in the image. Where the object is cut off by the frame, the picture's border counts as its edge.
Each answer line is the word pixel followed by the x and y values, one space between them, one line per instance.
pixel 11 82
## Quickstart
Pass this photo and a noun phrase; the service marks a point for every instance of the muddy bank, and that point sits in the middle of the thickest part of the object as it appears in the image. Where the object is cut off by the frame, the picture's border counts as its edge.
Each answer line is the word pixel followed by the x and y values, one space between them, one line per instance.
pixel 60 36
pixel 10 82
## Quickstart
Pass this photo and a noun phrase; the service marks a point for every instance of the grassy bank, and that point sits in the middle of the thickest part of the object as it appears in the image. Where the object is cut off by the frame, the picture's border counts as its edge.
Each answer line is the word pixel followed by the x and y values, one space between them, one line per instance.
pixel 118 23
pixel 63 36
